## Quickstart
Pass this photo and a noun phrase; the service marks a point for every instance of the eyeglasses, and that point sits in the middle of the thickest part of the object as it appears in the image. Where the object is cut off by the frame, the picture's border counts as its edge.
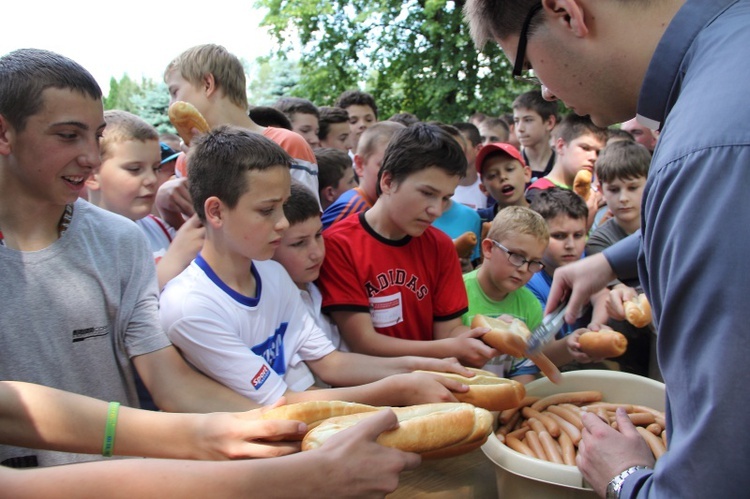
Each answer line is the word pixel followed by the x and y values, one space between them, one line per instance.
pixel 518 72
pixel 517 260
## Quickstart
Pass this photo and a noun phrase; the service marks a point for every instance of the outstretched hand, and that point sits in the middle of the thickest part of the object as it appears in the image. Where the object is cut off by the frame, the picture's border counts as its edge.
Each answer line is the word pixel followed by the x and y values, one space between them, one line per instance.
pixel 579 280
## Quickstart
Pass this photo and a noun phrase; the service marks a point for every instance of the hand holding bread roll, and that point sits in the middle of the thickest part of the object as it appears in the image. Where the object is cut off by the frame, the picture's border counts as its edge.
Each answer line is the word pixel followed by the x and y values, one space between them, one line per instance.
pixel 638 311
pixel 488 391
pixel 314 412
pixel 433 430
pixel 512 338
pixel 465 244
pixel 603 344
pixel 185 117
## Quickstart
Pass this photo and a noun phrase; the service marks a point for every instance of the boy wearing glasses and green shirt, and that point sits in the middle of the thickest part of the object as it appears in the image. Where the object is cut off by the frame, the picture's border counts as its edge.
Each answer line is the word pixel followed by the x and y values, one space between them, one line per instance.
pixel 513 252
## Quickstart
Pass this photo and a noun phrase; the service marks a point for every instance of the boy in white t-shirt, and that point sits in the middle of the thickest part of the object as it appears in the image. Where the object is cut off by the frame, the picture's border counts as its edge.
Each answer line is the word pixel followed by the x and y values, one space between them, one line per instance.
pixel 238 317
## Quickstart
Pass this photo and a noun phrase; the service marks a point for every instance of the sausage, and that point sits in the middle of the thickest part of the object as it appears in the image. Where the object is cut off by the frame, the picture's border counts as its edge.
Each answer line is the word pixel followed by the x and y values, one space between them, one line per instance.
pixel 567 415
pixel 532 440
pixel 508 413
pixel 569 428
pixel 519 446
pixel 655 443
pixel 568 449
pixel 551 448
pixel 552 427
pixel 583 397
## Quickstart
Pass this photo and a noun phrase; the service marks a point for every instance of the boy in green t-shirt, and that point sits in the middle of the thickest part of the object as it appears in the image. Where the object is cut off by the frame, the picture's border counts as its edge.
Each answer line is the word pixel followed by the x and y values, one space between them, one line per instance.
pixel 512 252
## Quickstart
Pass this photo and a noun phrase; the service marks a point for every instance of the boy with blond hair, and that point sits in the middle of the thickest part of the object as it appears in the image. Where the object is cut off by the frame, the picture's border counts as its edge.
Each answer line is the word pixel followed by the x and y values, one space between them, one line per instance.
pixel 391 281
pixel 238 317
pixel 367 163
pixel 512 251
pixel 213 80
pixel 126 182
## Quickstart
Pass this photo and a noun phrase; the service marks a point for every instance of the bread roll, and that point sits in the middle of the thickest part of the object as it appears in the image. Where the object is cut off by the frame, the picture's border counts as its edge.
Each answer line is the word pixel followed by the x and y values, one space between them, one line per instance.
pixel 582 184
pixel 465 244
pixel 512 339
pixel 638 311
pixel 184 116
pixel 488 391
pixel 312 413
pixel 603 344
pixel 434 430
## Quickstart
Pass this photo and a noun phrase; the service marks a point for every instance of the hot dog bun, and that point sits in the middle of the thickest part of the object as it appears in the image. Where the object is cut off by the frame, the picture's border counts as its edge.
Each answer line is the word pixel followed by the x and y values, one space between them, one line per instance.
pixel 434 430
pixel 512 338
pixel 638 311
pixel 488 391
pixel 582 184
pixel 465 244
pixel 603 344
pixel 314 412
pixel 184 116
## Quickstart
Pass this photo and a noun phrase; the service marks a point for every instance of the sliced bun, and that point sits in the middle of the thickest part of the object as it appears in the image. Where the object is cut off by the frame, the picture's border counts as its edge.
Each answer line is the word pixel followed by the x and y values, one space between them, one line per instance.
pixel 314 412
pixel 488 391
pixel 511 338
pixel 429 429
pixel 465 244
pixel 184 116
pixel 638 311
pixel 603 344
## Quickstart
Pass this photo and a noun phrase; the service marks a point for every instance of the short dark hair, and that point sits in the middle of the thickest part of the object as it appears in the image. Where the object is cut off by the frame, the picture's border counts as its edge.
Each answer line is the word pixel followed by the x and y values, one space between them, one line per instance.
pixel 302 205
pixel 573 126
pixel 328 116
pixel 406 119
pixel 533 100
pixel 470 131
pixel 26 73
pixel 219 159
pixel 294 105
pixel 356 98
pixel 489 20
pixel 269 116
pixel 332 163
pixel 555 201
pixel 622 160
pixel 421 146
pixel 619 134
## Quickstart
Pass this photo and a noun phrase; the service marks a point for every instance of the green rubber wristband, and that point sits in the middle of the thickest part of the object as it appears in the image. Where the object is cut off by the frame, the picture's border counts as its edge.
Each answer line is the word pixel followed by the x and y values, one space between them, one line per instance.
pixel 109 430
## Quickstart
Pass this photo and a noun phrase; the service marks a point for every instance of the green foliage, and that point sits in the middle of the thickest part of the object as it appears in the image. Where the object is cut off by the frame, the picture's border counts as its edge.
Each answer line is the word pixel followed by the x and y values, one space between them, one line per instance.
pixel 271 78
pixel 414 56
pixel 152 106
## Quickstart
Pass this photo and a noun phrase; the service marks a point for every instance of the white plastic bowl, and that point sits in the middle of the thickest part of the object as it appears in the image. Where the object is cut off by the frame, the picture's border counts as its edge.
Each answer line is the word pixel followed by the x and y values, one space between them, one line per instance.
pixel 520 476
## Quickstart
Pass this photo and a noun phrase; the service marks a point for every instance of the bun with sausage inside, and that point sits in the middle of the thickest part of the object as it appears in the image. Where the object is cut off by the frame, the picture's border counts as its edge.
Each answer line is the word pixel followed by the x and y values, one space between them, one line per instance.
pixel 184 116
pixel 638 311
pixel 433 430
pixel 512 338
pixel 465 244
pixel 603 344
pixel 488 391
pixel 582 184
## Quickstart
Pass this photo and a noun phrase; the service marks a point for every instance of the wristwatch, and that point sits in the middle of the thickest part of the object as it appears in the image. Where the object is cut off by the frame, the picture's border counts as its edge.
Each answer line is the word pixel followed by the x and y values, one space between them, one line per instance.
pixel 615 485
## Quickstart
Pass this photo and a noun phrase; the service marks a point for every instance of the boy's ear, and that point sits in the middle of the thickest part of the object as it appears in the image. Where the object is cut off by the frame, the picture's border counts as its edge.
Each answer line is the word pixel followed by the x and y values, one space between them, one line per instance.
pixel 487 248
pixel 6 136
pixel 359 165
pixel 483 189
pixel 386 183
pixel 527 173
pixel 213 208
pixel 208 84
pixel 327 194
pixel 559 146
pixel 569 15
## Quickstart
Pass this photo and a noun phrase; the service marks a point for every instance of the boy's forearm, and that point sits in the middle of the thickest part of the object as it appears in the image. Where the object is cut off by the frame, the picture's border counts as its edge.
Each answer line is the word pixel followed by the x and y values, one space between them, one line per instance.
pixel 176 387
pixel 351 369
pixel 558 353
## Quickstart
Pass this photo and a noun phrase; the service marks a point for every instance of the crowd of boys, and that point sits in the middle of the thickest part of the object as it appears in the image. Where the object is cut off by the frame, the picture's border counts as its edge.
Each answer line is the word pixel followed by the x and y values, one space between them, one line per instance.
pixel 281 253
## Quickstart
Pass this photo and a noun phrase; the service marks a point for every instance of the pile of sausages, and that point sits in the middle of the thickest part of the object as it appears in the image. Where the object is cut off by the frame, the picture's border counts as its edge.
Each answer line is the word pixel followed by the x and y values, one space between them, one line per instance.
pixel 549 428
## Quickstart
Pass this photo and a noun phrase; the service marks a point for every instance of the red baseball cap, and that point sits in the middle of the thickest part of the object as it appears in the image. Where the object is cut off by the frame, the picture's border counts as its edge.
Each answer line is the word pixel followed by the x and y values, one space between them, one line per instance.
pixel 493 147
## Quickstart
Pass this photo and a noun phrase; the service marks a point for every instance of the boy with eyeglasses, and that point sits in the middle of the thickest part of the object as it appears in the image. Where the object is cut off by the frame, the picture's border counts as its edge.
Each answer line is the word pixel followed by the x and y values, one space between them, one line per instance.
pixel 513 252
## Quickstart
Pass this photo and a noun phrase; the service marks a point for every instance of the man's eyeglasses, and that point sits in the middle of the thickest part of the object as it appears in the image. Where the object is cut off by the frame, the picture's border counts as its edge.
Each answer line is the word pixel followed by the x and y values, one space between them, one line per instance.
pixel 517 260
pixel 518 72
